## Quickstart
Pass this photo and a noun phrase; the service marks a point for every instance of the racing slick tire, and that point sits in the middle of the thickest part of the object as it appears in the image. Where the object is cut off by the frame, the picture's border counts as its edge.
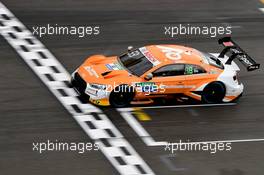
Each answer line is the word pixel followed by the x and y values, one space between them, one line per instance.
pixel 214 92
pixel 121 96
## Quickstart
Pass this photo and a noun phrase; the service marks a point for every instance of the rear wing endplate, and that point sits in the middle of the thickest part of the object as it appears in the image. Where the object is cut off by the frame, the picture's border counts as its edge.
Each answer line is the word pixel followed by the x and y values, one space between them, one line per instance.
pixel 234 52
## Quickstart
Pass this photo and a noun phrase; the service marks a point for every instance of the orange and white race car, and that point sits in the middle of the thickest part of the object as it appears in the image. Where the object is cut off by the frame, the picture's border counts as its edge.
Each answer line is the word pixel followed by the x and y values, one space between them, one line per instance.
pixel 163 72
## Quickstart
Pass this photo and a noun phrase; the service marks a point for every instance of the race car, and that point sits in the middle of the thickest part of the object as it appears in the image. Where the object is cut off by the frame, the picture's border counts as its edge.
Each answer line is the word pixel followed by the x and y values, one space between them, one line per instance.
pixel 163 72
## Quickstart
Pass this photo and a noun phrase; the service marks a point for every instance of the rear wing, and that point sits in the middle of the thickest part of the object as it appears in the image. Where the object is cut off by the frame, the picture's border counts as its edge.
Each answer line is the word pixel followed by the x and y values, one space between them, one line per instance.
pixel 234 51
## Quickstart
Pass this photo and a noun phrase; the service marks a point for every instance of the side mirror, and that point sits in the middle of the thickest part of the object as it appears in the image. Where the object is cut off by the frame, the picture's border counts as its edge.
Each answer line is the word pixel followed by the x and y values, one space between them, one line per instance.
pixel 129 48
pixel 148 77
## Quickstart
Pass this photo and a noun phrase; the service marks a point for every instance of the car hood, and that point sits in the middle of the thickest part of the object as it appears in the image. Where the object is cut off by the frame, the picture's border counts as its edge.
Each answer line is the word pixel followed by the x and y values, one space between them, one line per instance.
pixel 105 70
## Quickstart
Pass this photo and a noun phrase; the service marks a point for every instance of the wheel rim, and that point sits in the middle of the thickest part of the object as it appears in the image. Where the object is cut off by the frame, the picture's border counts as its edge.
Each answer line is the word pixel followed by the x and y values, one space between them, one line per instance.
pixel 214 94
pixel 120 99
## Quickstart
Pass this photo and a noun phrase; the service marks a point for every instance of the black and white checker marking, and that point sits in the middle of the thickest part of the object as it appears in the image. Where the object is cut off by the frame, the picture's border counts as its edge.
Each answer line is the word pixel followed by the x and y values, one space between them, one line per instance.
pixel 96 124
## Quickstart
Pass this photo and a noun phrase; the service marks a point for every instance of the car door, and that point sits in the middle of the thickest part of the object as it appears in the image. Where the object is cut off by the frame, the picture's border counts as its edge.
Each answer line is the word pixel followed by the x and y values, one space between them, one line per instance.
pixel 195 76
pixel 169 79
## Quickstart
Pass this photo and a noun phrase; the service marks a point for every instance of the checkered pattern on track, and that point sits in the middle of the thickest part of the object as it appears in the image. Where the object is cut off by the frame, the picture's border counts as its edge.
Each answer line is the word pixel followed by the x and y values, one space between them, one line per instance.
pixel 96 124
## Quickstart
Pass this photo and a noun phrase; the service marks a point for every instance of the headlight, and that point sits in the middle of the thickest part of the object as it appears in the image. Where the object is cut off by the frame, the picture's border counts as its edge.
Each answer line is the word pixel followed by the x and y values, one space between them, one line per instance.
pixel 98 86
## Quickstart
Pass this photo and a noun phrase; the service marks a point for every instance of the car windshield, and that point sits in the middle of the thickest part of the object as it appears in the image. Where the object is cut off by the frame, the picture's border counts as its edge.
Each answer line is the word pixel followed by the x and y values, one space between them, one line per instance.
pixel 135 62
pixel 212 60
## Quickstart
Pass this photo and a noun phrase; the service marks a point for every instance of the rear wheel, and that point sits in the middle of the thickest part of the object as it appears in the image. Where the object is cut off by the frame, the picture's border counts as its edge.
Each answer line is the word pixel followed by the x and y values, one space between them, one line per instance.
pixel 214 92
pixel 121 96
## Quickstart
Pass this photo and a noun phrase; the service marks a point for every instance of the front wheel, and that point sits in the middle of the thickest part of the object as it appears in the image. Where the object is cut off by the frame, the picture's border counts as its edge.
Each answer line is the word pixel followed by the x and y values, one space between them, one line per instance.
pixel 214 93
pixel 121 96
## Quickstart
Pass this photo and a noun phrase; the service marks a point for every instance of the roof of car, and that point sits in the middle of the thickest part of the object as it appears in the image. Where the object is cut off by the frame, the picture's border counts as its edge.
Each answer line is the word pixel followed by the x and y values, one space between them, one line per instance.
pixel 169 54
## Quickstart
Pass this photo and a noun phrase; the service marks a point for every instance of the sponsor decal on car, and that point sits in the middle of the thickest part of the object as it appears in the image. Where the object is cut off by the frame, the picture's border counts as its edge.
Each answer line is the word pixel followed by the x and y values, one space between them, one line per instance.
pixel 109 66
pixel 149 56
pixel 91 91
pixel 91 71
pixel 228 43
pixel 146 87
pixel 173 53
pixel 102 102
pixel 114 66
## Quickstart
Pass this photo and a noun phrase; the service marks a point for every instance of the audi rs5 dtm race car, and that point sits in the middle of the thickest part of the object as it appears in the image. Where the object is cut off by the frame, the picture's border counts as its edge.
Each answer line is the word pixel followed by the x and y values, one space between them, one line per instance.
pixel 155 72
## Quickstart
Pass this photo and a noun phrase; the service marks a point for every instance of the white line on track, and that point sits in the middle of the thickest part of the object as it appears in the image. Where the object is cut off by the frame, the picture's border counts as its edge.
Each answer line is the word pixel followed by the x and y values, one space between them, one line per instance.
pixel 126 113
pixel 179 106
pixel 228 141
pixel 96 124
pixel 261 9
pixel 138 128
